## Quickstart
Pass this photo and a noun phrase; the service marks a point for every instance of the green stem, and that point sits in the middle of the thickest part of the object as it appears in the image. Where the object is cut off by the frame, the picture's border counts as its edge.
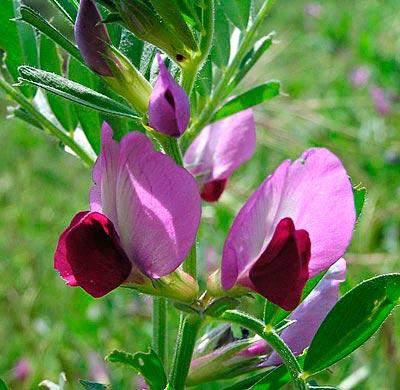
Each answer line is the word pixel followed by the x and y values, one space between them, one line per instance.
pixel 190 70
pixel 220 90
pixel 188 328
pixel 270 309
pixel 273 339
pixel 45 123
pixel 160 328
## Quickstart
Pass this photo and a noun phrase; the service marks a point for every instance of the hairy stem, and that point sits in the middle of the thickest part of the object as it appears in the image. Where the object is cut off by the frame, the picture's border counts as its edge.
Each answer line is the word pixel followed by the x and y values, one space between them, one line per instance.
pixel 188 328
pixel 65 138
pixel 160 328
pixel 220 91
pixel 274 340
pixel 190 71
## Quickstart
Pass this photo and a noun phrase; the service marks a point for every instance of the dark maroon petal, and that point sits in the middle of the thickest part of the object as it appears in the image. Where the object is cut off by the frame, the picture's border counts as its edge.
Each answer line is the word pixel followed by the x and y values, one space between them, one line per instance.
pixel 281 271
pixel 92 37
pixel 89 255
pixel 213 190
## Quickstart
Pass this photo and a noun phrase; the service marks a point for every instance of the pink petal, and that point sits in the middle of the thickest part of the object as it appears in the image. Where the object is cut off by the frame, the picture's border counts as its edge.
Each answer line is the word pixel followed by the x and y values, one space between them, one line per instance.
pixel 158 207
pixel 105 171
pixel 315 192
pixel 281 272
pixel 222 147
pixel 89 255
pixel 310 314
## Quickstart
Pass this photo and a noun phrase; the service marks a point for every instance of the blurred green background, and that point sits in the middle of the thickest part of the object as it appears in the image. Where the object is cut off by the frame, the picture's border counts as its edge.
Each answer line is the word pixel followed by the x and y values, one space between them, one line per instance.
pixel 339 64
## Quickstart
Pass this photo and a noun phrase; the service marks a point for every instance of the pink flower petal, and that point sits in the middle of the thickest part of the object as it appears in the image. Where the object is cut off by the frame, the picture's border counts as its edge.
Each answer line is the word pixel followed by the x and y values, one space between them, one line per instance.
pixel 315 192
pixel 222 147
pixel 158 207
pixel 310 314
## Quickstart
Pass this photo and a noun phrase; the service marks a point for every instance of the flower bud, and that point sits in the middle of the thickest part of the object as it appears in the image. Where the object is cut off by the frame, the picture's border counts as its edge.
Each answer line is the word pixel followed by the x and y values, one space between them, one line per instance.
pixel 147 24
pixel 169 109
pixel 226 362
pixel 178 286
pixel 92 38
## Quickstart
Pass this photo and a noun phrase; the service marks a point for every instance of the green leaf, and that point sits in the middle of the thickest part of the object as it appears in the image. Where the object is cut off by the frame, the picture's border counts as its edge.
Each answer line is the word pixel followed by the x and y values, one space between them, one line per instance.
pixel 3 385
pixel 219 306
pixel 352 321
pixel 131 47
pixel 172 15
pixel 148 54
pixel 73 91
pixel 253 97
pixel 238 12
pixel 18 41
pixel 221 48
pixel 147 364
pixel 88 385
pixel 51 61
pixel 360 195
pixel 89 119
pixel 67 8
pixel 250 60
pixel 32 17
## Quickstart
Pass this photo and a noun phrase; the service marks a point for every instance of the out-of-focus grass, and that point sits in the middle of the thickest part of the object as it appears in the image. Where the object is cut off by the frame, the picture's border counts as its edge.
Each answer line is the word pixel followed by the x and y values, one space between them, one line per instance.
pixel 41 188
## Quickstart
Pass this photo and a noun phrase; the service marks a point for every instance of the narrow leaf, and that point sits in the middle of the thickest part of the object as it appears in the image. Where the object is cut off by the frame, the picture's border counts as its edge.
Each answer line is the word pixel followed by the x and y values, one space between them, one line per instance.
pixel 67 8
pixel 131 47
pixel 73 91
pixel 352 321
pixel 33 18
pixel 248 99
pixel 221 48
pixel 51 61
pixel 238 12
pixel 147 364
pixel 89 119
pixel 18 41
pixel 3 385
pixel 88 385
pixel 360 195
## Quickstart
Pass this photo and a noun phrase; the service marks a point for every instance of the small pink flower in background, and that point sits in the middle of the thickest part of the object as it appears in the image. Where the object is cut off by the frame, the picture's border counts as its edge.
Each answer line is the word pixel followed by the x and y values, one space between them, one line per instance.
pixel 381 100
pixel 219 150
pixel 97 368
pixel 143 219
pixel 296 224
pixel 169 108
pixel 22 370
pixel 360 76
pixel 313 9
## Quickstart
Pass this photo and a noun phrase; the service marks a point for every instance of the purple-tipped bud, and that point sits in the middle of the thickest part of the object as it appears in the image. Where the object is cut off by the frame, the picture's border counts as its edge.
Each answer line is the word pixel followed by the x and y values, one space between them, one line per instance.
pixel 92 38
pixel 169 109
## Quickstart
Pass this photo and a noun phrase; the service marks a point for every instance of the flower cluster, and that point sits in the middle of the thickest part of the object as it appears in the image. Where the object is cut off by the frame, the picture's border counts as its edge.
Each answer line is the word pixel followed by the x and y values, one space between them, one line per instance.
pixel 145 212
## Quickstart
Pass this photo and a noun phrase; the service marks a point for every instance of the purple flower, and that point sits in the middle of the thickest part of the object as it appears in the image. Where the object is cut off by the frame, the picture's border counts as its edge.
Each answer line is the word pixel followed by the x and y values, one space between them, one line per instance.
pixel 245 355
pixel 92 38
pixel 381 101
pixel 360 76
pixel 169 109
pixel 312 311
pixel 218 150
pixel 314 10
pixel 22 370
pixel 295 225
pixel 143 219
